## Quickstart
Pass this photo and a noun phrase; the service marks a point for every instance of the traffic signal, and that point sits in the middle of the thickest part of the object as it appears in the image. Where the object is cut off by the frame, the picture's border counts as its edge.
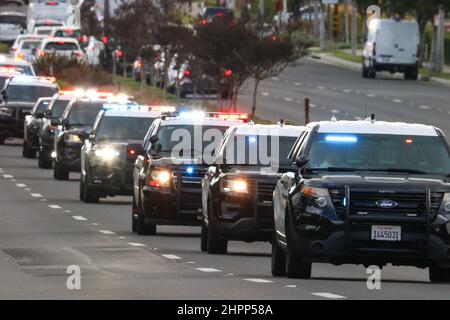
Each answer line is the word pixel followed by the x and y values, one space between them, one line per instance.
pixel 228 73
pixel 105 39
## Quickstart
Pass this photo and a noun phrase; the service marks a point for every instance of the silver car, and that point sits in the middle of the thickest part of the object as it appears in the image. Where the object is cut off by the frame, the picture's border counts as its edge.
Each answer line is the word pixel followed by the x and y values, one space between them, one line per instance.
pixel 12 24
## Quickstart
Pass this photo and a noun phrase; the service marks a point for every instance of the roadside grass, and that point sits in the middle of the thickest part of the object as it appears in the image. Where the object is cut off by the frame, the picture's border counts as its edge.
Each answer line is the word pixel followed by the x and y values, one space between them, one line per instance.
pixel 4 48
pixel 425 72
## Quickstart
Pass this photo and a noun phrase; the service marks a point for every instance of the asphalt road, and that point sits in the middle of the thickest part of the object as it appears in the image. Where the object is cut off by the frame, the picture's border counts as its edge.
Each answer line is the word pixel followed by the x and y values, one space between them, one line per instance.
pixel 44 228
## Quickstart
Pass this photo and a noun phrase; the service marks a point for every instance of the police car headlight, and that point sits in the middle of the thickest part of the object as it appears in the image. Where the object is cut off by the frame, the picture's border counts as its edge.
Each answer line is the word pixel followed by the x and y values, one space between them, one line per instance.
pixel 239 186
pixel 73 138
pixel 315 199
pixel 160 178
pixel 445 205
pixel 107 153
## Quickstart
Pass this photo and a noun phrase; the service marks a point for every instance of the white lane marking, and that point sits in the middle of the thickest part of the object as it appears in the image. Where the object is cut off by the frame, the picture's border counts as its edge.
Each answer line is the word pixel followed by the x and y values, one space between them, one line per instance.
pixel 27 189
pixel 386 97
pixel 275 78
pixel 13 180
pixel 21 185
pixel 36 195
pixel 312 105
pixel 258 280
pixel 171 256
pixel 94 224
pixel 370 95
pixel 67 211
pixel 276 96
pixel 136 244
pixel 324 108
pixel 357 92
pixel 288 99
pixel 298 84
pixel 43 200
pixel 425 107
pixel 265 94
pixel 328 295
pixel 286 81
pixel 346 90
pixel 79 218
pixel 208 270
pixel 321 88
pixel 190 262
pixel 121 238
pixel 106 232
pixel 7 176
pixel 440 109
pixel 291 286
pixel 335 111
pixel 346 114
pixel 54 206
pixel 357 118
pixel 299 101
pixel 397 100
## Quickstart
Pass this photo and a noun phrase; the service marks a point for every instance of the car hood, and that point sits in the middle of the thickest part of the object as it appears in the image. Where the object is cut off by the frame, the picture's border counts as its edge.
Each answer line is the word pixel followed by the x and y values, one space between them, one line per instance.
pixel 378 181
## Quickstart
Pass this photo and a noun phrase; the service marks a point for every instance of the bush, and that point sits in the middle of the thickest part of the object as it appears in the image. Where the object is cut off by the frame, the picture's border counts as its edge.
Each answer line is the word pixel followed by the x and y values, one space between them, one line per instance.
pixel 4 48
pixel 71 72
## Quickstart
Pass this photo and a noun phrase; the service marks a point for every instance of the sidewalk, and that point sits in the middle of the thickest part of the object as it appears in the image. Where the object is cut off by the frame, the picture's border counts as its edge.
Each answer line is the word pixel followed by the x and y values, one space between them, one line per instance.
pixel 329 58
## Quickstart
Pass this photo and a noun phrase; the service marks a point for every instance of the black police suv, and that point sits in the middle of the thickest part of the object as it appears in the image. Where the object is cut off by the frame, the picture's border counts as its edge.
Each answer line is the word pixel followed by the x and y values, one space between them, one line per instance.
pixel 167 176
pixel 364 192
pixel 18 97
pixel 50 121
pixel 32 126
pixel 107 157
pixel 74 127
pixel 238 188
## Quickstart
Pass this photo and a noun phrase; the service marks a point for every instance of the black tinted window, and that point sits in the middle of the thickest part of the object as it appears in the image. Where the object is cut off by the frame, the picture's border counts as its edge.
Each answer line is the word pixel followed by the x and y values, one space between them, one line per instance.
pixel 61 46
pixel 84 113
pixel 123 128
pixel 28 93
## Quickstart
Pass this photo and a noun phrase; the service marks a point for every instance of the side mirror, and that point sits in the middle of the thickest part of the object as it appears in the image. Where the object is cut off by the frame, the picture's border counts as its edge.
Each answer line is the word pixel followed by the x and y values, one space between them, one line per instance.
pixel 91 137
pixel 39 115
pixel 301 161
pixel 47 113
pixel 4 95
pixel 212 171
pixel 154 139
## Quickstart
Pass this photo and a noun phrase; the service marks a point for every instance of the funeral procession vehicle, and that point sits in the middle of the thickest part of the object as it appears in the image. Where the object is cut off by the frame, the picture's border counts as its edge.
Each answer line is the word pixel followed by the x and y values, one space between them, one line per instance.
pixel 107 157
pixel 32 127
pixel 238 188
pixel 364 192
pixel 167 176
pixel 18 97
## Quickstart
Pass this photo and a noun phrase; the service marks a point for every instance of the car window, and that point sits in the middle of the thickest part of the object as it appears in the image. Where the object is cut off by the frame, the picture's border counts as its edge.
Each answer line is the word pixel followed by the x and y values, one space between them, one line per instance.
pixel 122 128
pixel 42 106
pixel 61 46
pixel 58 107
pixel 28 93
pixel 84 113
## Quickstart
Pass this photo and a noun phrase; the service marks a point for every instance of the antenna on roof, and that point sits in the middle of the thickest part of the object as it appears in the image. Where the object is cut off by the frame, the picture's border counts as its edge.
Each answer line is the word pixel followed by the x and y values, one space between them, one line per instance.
pixel 372 118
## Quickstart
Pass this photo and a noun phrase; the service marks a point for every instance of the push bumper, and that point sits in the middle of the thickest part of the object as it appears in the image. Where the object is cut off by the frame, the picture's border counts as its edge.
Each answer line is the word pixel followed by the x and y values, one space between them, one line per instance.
pixel 111 180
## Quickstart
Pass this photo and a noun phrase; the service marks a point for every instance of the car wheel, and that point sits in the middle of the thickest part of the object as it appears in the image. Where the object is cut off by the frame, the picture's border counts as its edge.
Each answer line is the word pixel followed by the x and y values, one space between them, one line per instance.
pixel 44 160
pixel 295 267
pixel 2 141
pixel 214 244
pixel 372 73
pixel 134 210
pixel 142 228
pixel 365 71
pixel 204 238
pixel 89 196
pixel 59 173
pixel 278 259
pixel 28 152
pixel 439 274
pixel 81 190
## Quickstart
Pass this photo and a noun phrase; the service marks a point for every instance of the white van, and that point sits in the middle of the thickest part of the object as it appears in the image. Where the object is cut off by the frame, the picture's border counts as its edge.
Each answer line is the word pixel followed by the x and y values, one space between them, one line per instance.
pixel 392 45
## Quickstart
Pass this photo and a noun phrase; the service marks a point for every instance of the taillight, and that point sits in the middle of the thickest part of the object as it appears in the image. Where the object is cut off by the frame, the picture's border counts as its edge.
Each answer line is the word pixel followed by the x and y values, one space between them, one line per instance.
pixel 42 53
pixel 132 152
pixel 204 22
pixel 187 73
pixel 52 3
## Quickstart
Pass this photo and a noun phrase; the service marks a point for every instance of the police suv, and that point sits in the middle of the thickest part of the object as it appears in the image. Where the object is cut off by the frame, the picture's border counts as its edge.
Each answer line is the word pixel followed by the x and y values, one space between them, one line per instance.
pixel 167 176
pixel 364 192
pixel 107 157
pixel 50 121
pixel 18 97
pixel 238 188
pixel 32 127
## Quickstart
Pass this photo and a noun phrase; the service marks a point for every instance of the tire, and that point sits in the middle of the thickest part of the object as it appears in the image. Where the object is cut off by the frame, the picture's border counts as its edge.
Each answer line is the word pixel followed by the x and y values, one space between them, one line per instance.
pixel 44 160
pixel 142 228
pixel 365 71
pixel 81 190
pixel 278 267
pixel 60 174
pixel 89 196
pixel 214 245
pixel 412 74
pixel 204 238
pixel 2 141
pixel 438 274
pixel 372 73
pixel 134 209
pixel 295 267
pixel 28 152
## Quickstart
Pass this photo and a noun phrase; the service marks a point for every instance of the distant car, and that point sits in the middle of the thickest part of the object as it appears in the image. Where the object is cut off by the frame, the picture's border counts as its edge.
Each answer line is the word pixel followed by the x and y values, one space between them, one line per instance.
pixel 7 73
pixel 22 37
pixel 140 66
pixel 42 10
pixel 27 50
pixel 107 157
pixel 18 3
pixel 43 31
pixel 70 32
pixel 212 13
pixel 32 127
pixel 18 96
pixel 62 47
pixel 22 66
pixel 33 24
pixel 237 194
pixel 392 45
pixel 12 24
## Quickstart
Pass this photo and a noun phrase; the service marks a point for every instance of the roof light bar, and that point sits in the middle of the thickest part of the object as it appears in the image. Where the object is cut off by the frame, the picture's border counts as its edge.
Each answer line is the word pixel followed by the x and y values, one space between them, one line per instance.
pixel 341 138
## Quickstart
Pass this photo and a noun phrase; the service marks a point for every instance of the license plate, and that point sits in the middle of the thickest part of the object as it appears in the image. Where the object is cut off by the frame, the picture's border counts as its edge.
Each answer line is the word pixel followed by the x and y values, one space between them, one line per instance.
pixel 386 233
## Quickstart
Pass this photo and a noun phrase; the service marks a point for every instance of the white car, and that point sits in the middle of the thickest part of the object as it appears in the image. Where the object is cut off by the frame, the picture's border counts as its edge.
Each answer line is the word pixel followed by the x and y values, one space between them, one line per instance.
pixel 33 24
pixel 65 47
pixel 392 45
pixel 12 24
pixel 70 32
pixel 23 66
pixel 46 9
pixel 27 49
pixel 21 38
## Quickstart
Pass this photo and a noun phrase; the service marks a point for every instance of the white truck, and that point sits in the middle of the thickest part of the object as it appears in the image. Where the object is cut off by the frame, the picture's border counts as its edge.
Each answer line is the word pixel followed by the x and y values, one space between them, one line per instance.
pixel 392 45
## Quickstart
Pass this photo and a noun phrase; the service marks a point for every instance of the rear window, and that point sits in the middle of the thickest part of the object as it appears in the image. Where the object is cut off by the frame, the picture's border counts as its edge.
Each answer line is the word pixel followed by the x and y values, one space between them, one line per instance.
pixel 84 113
pixel 29 45
pixel 43 31
pixel 69 33
pixel 29 93
pixel 13 20
pixel 61 46
pixel 58 107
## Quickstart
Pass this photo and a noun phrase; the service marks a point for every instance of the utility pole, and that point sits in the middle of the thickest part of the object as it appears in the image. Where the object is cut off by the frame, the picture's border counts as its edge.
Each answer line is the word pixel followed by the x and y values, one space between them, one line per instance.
pixel 330 22
pixel 440 41
pixel 347 31
pixel 322 28
pixel 316 19
pixel 354 35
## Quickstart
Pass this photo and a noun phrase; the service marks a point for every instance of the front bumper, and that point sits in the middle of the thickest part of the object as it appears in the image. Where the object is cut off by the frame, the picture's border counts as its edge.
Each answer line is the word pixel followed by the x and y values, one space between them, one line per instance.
pixel 112 180
pixel 69 155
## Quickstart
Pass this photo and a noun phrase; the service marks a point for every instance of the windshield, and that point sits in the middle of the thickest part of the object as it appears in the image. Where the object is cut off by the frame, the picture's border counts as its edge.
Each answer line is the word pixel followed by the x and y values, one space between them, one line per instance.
pixel 61 46
pixel 30 45
pixel 12 20
pixel 2 81
pixel 44 31
pixel 68 33
pixel 182 138
pixel 84 113
pixel 42 106
pixel 258 150
pixel 373 152
pixel 58 107
pixel 123 128
pixel 28 93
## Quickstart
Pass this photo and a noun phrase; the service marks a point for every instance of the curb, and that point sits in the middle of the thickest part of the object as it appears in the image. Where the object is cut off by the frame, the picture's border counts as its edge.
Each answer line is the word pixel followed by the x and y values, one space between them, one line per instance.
pixel 331 60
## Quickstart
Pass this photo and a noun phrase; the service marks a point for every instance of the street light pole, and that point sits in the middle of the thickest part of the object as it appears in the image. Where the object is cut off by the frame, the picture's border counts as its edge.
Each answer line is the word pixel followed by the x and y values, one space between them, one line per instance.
pixel 354 35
